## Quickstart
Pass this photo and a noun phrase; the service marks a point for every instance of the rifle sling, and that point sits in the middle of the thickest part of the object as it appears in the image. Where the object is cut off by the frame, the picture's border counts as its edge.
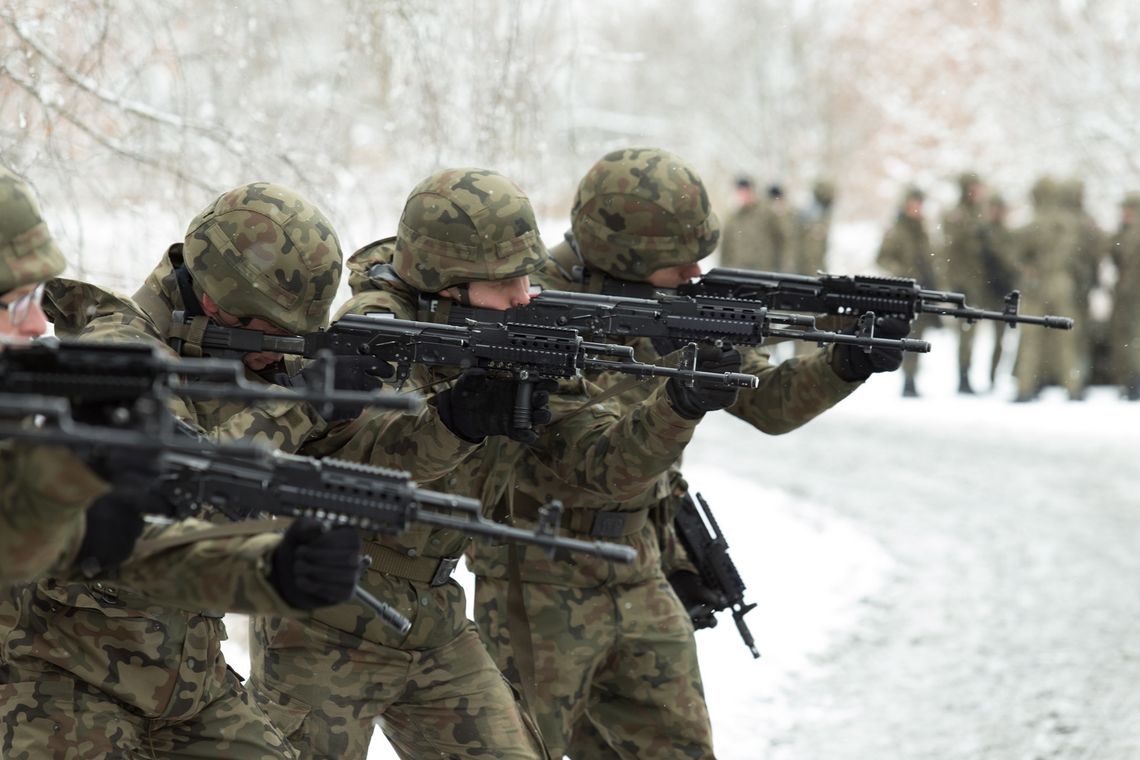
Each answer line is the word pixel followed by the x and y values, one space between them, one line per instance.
pixel 518 629
pixel 591 522
pixel 435 571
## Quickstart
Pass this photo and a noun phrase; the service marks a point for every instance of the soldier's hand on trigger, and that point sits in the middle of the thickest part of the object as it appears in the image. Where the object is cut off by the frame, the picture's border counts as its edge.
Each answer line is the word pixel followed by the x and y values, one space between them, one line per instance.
pixel 852 363
pixel 314 565
pixel 479 405
pixel 693 402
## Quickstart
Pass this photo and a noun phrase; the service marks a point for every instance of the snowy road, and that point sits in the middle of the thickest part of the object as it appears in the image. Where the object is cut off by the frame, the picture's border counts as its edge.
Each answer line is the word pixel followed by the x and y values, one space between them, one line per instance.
pixel 983 603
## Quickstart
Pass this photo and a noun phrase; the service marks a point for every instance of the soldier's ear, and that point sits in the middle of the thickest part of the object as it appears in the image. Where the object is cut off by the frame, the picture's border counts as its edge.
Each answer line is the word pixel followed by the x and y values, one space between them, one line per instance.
pixel 209 306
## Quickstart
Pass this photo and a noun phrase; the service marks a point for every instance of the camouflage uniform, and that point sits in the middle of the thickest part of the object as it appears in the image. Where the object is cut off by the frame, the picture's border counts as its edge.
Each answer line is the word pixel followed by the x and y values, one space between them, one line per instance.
pixel 46 489
pixel 434 691
pixel 1124 326
pixel 1044 259
pixel 963 230
pixel 814 227
pixel 906 252
pixel 108 666
pixel 1084 270
pixel 760 236
pixel 437 690
pixel 613 647
pixel 998 252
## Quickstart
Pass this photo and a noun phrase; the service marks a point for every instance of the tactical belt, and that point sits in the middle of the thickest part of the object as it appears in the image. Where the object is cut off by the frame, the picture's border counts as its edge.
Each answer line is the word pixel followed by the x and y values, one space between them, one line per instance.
pixel 591 522
pixel 434 571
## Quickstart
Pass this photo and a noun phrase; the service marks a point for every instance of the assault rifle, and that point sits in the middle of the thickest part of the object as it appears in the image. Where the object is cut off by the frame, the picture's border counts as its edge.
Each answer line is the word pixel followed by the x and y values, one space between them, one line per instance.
pixel 129 382
pixel 242 481
pixel 708 551
pixel 842 295
pixel 527 352
pixel 678 318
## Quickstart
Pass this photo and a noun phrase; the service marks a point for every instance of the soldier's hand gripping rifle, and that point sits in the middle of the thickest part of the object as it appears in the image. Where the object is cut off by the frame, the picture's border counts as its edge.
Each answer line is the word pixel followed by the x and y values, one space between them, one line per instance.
pixel 677 318
pixel 708 550
pixel 848 295
pixel 527 352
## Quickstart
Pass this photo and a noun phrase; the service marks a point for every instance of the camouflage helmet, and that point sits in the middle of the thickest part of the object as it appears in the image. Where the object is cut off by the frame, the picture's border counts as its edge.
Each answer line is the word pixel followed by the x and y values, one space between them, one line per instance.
pixel 261 250
pixel 27 252
pixel 466 225
pixel 642 209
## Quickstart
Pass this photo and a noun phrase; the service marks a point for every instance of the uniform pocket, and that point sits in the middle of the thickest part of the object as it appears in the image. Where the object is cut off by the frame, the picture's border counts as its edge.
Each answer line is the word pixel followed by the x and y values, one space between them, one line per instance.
pixel 101 638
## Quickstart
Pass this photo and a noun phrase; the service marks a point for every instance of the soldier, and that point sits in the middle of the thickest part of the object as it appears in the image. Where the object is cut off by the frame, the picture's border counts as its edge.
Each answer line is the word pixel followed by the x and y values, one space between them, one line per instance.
pixel 906 252
pixel 963 230
pixel 998 251
pixel 108 668
pixel 1044 258
pixel 744 229
pixel 1124 325
pixel 41 510
pixel 813 228
pixel 609 651
pixel 467 235
pixel 1084 269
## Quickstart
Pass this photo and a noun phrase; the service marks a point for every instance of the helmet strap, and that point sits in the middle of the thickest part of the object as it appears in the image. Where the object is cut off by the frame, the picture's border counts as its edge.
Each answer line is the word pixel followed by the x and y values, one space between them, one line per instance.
pixel 188 289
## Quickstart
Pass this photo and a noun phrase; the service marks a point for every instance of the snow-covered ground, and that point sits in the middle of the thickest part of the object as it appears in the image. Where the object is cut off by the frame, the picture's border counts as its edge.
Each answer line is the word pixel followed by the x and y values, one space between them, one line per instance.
pixel 949 577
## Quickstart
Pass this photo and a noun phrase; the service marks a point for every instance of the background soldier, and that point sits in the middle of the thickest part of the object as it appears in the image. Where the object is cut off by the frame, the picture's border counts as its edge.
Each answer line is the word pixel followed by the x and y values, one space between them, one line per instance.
pixel 1044 259
pixel 813 230
pixel 107 666
pixel 1084 268
pixel 998 253
pixel 744 244
pixel 1124 326
pixel 906 252
pixel 963 229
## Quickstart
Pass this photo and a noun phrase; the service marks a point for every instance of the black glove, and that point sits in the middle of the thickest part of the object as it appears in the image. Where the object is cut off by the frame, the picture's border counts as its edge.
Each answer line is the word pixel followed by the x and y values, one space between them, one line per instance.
pixel 350 373
pixel 700 601
pixel 692 403
pixel 479 405
pixel 114 523
pixel 316 566
pixel 852 363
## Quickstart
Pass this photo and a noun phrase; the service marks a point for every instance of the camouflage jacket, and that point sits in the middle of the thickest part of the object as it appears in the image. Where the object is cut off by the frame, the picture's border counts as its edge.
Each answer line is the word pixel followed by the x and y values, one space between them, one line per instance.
pixel 789 395
pixel 45 492
pixel 594 455
pixel 135 625
pixel 963 231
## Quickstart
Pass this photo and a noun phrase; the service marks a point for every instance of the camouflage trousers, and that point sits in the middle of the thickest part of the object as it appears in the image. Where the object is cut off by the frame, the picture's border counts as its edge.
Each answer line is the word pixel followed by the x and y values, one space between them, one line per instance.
pixel 327 689
pixel 94 671
pixel 621 657
pixel 46 712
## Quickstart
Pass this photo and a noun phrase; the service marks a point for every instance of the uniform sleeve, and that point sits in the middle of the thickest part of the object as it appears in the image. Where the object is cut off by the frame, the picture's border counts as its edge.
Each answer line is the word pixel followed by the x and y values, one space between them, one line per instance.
pixel 45 493
pixel 790 393
pixel 418 442
pixel 226 574
pixel 616 452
